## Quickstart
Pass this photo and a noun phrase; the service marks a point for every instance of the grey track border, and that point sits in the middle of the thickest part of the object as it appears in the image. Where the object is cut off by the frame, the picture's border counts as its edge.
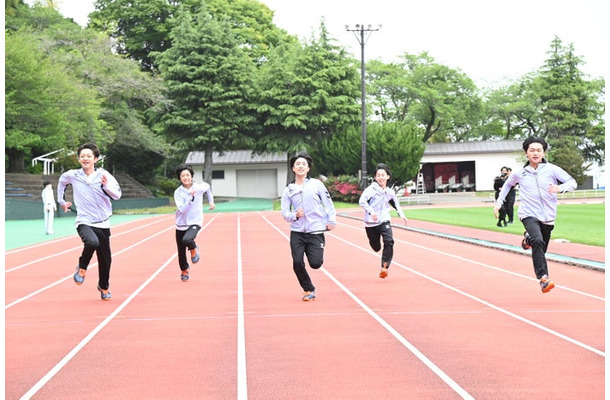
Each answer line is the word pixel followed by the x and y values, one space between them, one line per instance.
pixel 579 262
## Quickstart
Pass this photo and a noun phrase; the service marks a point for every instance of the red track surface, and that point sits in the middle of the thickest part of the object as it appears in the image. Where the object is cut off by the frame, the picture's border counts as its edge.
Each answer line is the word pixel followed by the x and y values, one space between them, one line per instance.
pixel 452 320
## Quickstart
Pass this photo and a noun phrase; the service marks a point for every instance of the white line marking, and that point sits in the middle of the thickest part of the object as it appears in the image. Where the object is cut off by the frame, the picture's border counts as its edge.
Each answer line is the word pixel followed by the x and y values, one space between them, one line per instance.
pixel 440 373
pixel 38 260
pixel 518 317
pixel 489 266
pixel 62 363
pixel 242 381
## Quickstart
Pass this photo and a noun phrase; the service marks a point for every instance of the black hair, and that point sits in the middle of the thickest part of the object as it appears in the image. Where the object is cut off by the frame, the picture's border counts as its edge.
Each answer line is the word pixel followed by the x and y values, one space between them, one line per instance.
pixel 91 146
pixel 45 183
pixel 181 168
pixel 533 139
pixel 304 155
pixel 384 167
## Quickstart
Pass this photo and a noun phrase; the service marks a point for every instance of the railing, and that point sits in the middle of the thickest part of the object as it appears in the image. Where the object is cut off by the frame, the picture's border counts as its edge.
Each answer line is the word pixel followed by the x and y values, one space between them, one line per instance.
pixel 414 200
pixel 48 167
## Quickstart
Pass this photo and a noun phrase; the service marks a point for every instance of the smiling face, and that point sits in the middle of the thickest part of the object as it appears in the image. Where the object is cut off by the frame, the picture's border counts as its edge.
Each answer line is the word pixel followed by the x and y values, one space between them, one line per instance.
pixel 381 177
pixel 300 167
pixel 186 178
pixel 535 154
pixel 87 160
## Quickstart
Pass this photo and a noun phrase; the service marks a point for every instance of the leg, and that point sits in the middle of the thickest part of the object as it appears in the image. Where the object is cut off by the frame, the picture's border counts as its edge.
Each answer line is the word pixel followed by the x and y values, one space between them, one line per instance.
pixel 104 257
pixel 182 263
pixel 46 221
pixel 90 241
pixel 315 250
pixel 297 248
pixel 540 235
pixel 188 240
pixel 51 230
pixel 388 245
pixel 373 234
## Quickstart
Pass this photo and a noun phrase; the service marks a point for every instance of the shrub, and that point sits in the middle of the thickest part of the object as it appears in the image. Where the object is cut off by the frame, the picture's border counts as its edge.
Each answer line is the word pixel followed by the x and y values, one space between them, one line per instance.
pixel 343 188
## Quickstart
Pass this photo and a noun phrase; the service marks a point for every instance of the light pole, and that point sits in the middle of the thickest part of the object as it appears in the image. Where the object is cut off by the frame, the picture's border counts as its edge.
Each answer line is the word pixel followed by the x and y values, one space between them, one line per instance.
pixel 359 32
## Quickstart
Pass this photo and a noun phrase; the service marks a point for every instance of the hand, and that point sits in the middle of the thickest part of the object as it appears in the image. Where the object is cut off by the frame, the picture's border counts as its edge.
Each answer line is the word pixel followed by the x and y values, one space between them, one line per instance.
pixel 497 211
pixel 404 220
pixel 104 180
pixel 554 188
pixel 300 213
pixel 212 206
pixel 374 216
pixel 330 227
pixel 66 206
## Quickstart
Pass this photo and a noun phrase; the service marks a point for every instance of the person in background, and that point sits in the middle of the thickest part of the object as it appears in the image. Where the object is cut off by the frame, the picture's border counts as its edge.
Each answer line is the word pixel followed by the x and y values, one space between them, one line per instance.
pixel 188 198
pixel 539 183
pixel 307 206
pixel 498 183
pixel 49 207
pixel 93 188
pixel 509 203
pixel 376 200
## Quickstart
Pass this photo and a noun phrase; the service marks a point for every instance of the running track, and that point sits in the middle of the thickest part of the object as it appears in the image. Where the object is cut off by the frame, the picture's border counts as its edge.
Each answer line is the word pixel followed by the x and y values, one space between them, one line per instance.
pixel 451 321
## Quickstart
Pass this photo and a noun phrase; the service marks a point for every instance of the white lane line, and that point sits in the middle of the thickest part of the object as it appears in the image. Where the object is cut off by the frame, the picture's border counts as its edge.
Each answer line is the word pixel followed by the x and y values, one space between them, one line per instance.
pixel 433 367
pixel 38 260
pixel 62 363
pixel 489 266
pixel 242 381
pixel 500 309
pixel 29 296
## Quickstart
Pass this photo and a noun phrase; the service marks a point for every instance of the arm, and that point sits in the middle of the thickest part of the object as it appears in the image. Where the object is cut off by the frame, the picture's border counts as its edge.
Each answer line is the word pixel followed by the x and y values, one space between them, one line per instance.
pixel 329 206
pixel 394 203
pixel 364 203
pixel 110 186
pixel 568 184
pixel 61 192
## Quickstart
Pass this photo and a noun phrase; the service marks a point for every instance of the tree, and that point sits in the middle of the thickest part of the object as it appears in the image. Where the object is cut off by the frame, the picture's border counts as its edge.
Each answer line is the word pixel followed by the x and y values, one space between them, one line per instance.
pixel 306 92
pixel 397 144
pixel 339 153
pixel 208 77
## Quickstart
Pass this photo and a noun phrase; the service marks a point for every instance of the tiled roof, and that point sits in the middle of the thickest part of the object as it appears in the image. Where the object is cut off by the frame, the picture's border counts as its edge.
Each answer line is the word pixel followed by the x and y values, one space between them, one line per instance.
pixel 236 157
pixel 488 146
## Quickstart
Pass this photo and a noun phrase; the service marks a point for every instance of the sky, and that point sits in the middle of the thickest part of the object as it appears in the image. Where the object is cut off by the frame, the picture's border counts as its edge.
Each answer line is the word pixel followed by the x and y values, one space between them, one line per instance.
pixel 492 41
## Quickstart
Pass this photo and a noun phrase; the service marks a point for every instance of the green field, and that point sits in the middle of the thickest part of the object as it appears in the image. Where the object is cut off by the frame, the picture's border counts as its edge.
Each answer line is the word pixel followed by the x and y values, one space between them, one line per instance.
pixel 578 223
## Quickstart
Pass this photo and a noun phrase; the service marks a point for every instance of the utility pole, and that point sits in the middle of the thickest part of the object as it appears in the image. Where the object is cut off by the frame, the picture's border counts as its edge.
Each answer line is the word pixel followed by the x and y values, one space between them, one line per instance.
pixel 359 32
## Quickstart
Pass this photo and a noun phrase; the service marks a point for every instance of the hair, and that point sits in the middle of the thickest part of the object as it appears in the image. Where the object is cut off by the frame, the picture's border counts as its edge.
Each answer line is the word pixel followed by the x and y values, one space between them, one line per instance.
pixel 532 139
pixel 91 146
pixel 506 168
pixel 384 167
pixel 304 155
pixel 45 183
pixel 181 168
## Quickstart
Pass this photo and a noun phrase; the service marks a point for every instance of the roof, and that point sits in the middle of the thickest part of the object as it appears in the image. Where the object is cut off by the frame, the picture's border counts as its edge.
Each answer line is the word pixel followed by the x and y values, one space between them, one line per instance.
pixel 488 146
pixel 236 157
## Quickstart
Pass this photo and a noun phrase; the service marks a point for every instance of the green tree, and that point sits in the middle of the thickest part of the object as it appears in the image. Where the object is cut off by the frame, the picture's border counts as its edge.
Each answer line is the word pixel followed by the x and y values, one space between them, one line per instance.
pixel 339 153
pixel 306 91
pixel 397 144
pixel 208 77
pixel 46 107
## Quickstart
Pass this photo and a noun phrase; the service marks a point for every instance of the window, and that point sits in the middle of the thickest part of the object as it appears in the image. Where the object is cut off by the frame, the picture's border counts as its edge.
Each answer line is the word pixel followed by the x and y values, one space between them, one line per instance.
pixel 218 174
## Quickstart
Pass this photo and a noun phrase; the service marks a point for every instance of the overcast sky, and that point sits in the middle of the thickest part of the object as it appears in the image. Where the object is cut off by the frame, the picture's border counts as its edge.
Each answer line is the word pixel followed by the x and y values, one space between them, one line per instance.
pixel 489 40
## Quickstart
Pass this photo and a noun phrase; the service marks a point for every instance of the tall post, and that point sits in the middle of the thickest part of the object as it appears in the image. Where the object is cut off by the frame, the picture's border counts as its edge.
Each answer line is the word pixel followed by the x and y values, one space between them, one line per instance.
pixel 360 29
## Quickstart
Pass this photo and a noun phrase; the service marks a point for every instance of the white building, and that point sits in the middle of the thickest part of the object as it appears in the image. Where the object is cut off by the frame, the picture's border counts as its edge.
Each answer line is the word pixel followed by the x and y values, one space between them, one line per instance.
pixel 242 173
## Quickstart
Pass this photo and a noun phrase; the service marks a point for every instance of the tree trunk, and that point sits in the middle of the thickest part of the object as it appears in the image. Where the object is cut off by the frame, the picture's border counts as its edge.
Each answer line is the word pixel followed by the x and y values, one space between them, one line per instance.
pixel 16 162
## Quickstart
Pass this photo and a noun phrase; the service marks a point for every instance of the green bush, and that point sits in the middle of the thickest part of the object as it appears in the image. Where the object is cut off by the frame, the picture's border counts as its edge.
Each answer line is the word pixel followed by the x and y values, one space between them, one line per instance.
pixel 167 186
pixel 343 188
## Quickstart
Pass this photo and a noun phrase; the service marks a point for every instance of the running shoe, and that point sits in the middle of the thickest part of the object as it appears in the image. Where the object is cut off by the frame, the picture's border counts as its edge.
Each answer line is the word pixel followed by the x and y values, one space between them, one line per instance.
pixel 546 285
pixel 195 254
pixel 525 243
pixel 105 294
pixel 184 275
pixel 79 275
pixel 384 271
pixel 309 296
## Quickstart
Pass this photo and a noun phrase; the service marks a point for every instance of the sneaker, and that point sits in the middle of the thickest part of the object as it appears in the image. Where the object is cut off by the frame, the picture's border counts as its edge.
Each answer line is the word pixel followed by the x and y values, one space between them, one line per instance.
pixel 384 271
pixel 525 243
pixel 309 296
pixel 546 285
pixel 195 255
pixel 105 294
pixel 79 275
pixel 184 275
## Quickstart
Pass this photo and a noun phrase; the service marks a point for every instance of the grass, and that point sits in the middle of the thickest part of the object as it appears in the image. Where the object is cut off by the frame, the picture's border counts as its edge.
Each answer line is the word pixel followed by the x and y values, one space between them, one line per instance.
pixel 578 223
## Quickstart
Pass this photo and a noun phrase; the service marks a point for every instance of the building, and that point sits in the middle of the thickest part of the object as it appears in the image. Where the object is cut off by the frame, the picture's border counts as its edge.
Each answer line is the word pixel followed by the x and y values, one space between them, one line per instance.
pixel 468 165
pixel 242 173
